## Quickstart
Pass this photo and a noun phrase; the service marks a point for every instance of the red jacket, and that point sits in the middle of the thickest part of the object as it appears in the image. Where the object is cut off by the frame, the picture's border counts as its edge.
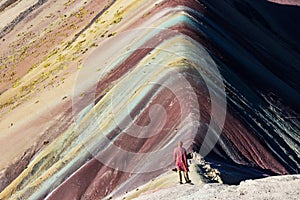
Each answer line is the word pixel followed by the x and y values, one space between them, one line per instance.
pixel 180 159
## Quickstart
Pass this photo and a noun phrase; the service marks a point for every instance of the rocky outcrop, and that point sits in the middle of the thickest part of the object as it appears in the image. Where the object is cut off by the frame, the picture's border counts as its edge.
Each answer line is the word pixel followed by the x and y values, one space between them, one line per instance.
pixel 287 2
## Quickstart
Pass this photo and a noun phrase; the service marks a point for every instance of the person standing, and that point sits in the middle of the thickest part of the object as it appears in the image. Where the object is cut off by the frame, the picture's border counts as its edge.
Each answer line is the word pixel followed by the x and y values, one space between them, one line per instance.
pixel 181 162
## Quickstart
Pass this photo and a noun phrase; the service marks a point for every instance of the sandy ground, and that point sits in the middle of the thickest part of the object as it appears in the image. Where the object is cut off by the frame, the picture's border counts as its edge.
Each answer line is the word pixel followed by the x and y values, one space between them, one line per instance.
pixel 165 184
pixel 166 187
pixel 279 187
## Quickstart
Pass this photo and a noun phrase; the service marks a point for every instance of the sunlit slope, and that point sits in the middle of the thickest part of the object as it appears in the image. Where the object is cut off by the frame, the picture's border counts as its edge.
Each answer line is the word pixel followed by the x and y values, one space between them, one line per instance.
pixel 96 94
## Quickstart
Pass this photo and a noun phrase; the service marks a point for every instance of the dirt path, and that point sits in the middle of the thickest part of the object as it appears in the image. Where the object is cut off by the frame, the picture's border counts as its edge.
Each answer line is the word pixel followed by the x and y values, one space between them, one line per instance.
pixel 168 185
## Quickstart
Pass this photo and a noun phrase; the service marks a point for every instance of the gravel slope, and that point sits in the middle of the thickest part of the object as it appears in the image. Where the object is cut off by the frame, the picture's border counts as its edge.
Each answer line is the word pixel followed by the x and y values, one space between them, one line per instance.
pixel 277 187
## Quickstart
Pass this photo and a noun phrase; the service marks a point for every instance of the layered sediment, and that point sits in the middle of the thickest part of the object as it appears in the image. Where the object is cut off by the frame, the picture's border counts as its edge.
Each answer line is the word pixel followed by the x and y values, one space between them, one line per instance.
pixel 94 95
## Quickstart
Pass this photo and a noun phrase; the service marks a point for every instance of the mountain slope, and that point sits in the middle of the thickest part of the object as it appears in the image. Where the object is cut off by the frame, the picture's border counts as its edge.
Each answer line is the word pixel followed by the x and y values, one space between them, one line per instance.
pixel 94 95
